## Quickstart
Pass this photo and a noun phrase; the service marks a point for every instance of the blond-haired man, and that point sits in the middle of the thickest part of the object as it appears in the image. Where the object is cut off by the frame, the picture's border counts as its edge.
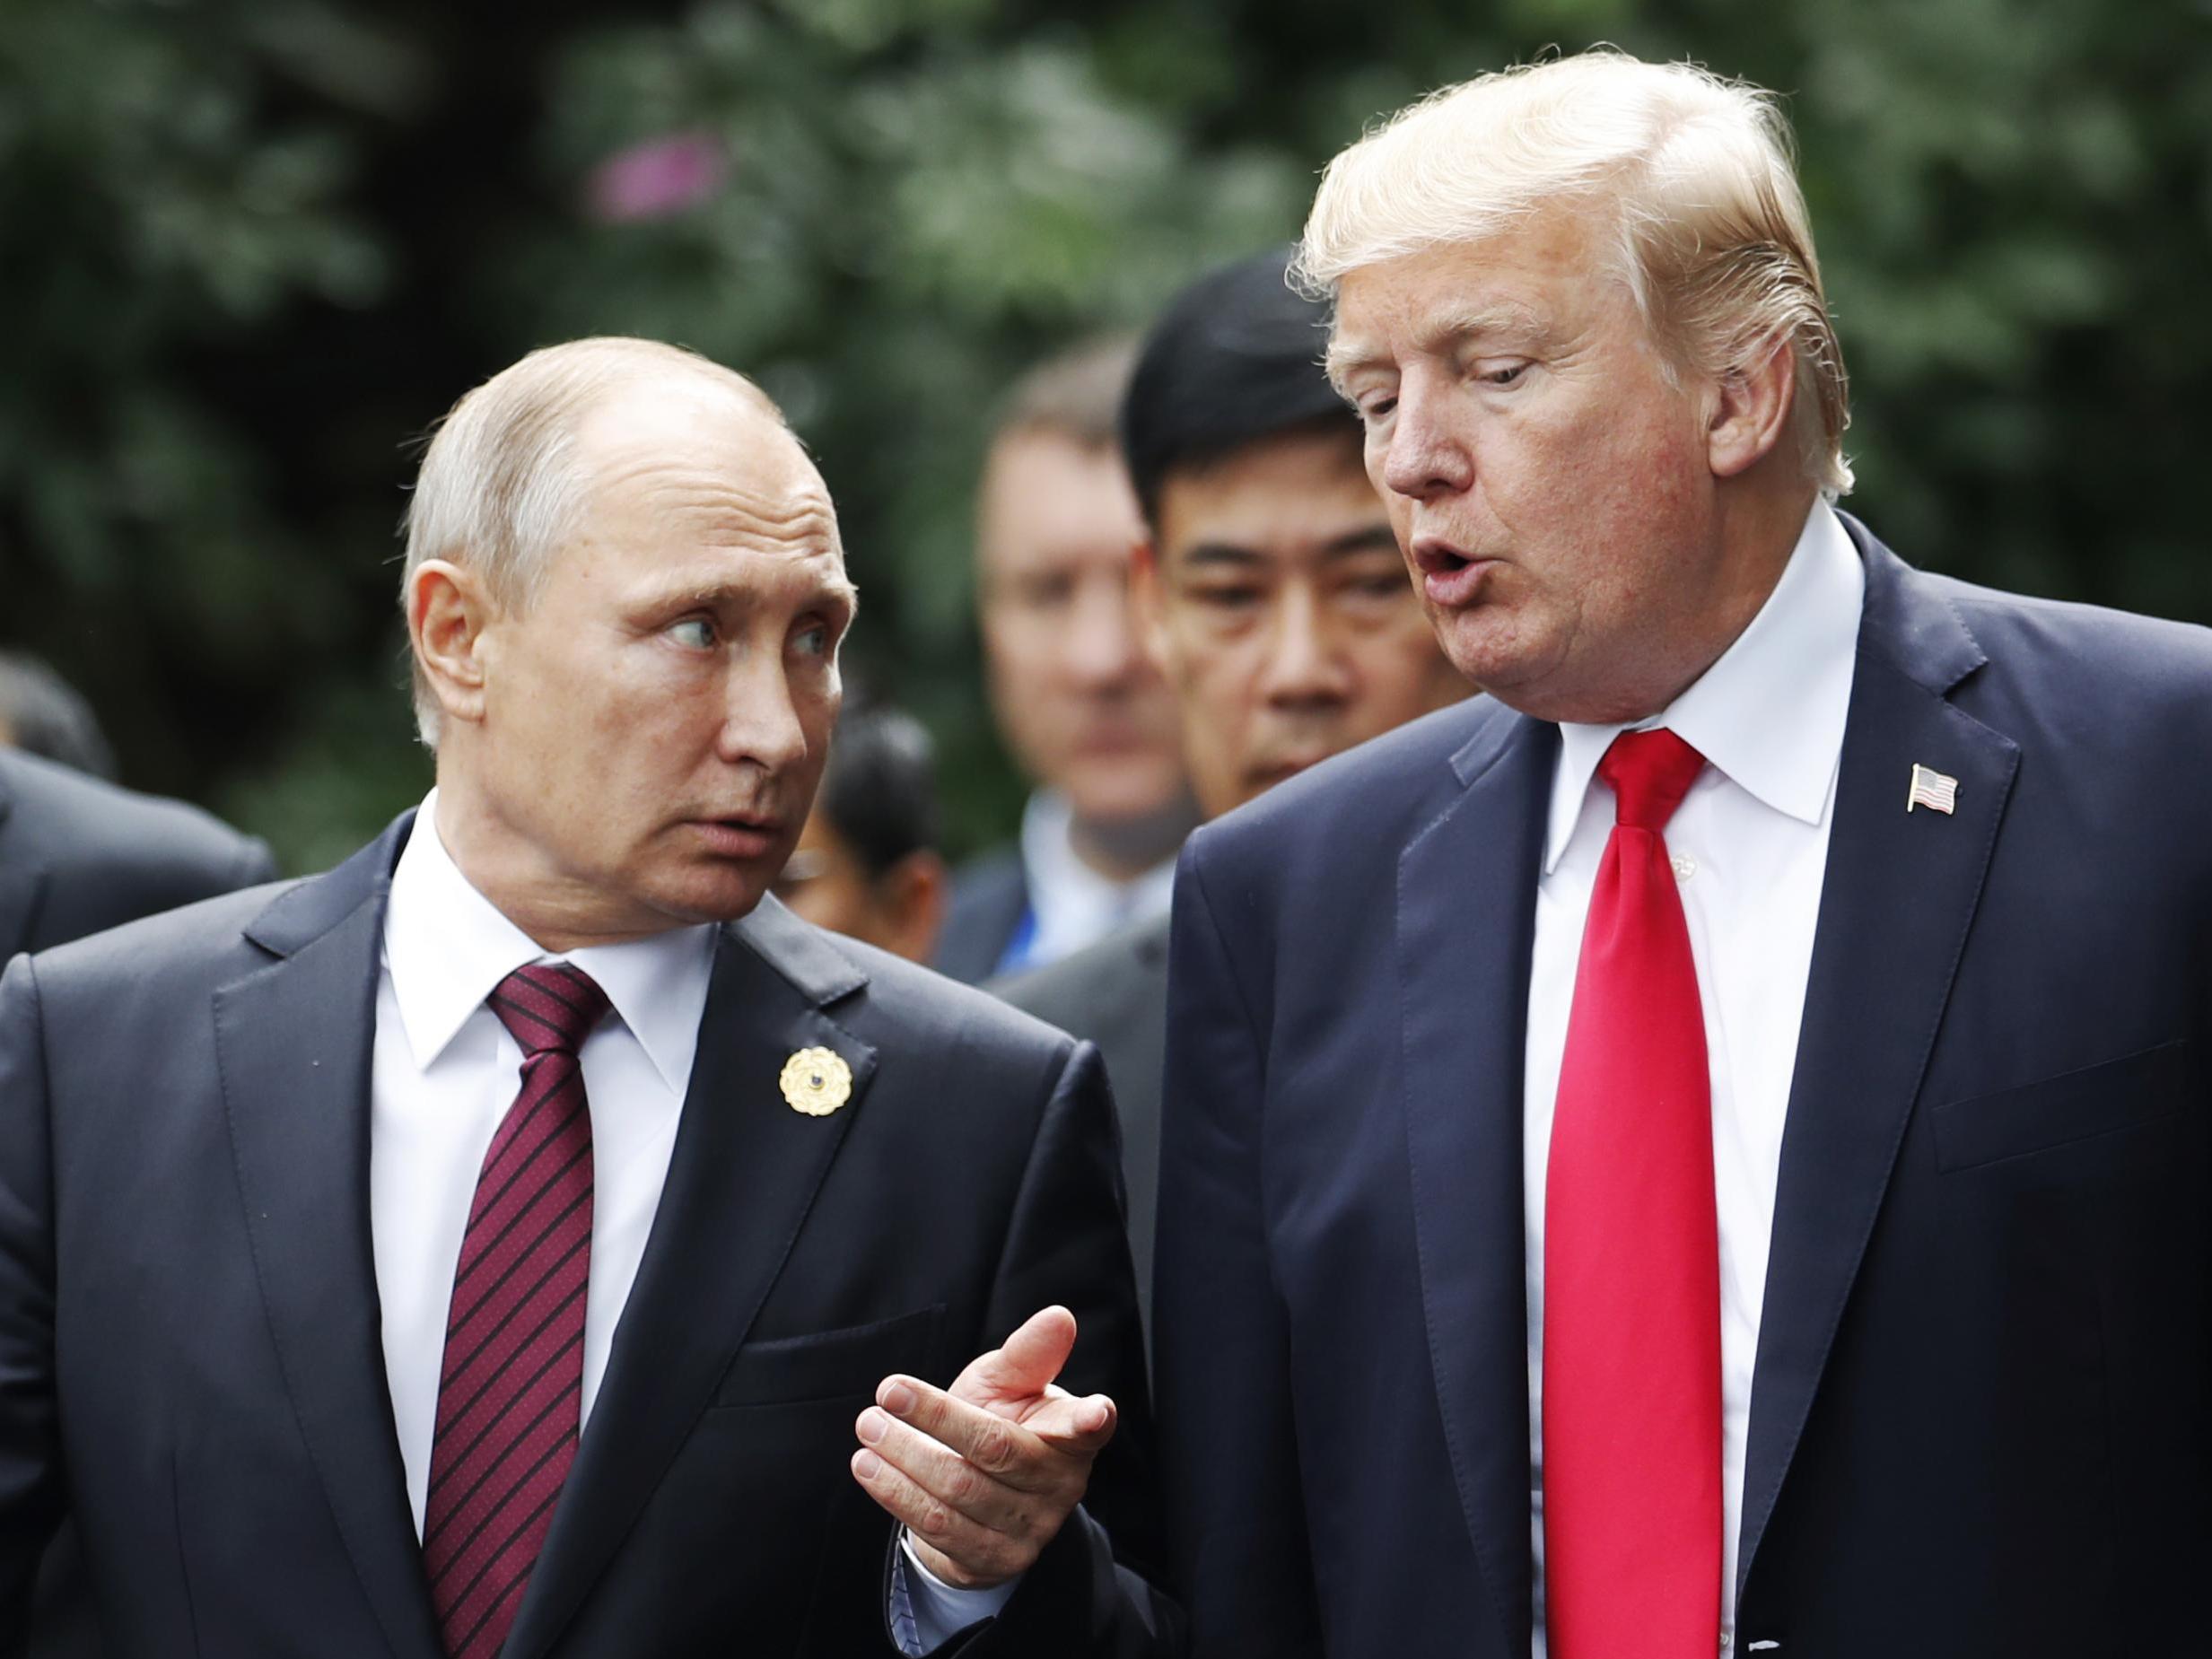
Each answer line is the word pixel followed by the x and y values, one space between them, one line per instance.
pixel 493 1246
pixel 1703 1148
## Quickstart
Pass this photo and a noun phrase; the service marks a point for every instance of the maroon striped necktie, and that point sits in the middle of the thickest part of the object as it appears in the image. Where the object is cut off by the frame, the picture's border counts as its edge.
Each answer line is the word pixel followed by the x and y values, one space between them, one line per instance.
pixel 509 1396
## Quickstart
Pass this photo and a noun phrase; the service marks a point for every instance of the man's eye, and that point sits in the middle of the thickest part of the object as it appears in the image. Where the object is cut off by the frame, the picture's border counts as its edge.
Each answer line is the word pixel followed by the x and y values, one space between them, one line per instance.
pixel 1043 593
pixel 1226 598
pixel 1393 586
pixel 1374 408
pixel 814 640
pixel 695 632
pixel 1505 376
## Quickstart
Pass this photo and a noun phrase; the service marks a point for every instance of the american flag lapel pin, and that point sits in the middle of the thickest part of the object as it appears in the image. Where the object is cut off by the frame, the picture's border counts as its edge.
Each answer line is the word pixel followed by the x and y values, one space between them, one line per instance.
pixel 1933 791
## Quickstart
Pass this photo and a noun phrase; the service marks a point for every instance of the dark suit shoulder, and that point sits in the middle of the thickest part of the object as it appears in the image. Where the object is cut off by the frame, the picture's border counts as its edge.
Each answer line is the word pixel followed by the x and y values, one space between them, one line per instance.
pixel 73 822
pixel 1381 793
pixel 919 1008
pixel 2084 649
pixel 103 855
pixel 187 946
pixel 1093 985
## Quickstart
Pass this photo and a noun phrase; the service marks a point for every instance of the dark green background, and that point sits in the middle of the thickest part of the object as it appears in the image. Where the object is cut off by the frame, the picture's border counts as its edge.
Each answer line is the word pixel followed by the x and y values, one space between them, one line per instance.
pixel 252 249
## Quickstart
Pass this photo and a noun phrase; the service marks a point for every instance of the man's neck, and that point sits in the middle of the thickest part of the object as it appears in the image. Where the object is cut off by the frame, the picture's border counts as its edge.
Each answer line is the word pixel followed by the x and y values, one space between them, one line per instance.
pixel 1120 850
pixel 557 914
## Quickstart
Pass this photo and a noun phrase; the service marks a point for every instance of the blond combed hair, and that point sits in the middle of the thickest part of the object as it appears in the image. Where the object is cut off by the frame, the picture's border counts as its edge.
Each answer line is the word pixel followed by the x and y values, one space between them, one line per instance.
pixel 500 489
pixel 1709 228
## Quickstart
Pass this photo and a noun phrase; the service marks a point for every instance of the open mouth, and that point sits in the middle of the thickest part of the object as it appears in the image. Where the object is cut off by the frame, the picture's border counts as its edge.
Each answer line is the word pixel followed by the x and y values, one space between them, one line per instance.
pixel 1448 578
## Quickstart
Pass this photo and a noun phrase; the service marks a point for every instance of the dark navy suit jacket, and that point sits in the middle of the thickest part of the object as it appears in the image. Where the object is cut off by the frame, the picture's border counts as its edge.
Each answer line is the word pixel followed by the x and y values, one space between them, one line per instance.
pixel 191 1357
pixel 1982 1418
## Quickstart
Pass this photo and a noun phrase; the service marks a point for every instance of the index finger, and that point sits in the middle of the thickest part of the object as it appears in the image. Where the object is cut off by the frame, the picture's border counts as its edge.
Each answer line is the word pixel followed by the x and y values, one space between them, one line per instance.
pixel 995 1445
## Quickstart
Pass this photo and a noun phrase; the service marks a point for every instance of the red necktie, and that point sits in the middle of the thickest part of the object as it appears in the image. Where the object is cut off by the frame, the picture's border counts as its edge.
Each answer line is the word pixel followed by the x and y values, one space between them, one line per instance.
pixel 509 1394
pixel 1632 1264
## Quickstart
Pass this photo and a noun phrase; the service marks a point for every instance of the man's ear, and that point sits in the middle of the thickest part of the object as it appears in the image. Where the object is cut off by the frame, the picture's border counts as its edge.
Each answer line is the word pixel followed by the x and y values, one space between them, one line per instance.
pixel 1148 600
pixel 1751 407
pixel 447 612
pixel 912 894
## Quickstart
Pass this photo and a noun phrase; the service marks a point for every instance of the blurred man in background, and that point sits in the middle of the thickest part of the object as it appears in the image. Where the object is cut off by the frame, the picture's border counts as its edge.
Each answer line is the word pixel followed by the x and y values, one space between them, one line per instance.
pixel 867 863
pixel 78 855
pixel 1078 702
pixel 1270 593
pixel 42 713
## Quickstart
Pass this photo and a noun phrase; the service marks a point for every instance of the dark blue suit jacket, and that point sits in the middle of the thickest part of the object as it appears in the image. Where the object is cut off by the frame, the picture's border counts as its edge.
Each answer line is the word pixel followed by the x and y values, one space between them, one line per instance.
pixel 1980 1416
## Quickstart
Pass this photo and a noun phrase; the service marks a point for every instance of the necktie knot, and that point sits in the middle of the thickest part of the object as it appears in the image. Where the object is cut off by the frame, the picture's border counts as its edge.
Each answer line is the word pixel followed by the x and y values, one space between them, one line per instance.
pixel 548 1007
pixel 1650 771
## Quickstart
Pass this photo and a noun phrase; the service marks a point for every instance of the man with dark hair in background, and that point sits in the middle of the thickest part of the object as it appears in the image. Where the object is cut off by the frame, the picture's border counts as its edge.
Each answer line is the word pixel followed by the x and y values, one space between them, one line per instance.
pixel 867 864
pixel 1078 703
pixel 77 855
pixel 1270 593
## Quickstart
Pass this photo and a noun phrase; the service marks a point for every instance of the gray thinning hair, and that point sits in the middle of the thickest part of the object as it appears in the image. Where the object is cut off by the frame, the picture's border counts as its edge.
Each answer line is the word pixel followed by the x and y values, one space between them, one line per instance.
pixel 500 489
pixel 1710 233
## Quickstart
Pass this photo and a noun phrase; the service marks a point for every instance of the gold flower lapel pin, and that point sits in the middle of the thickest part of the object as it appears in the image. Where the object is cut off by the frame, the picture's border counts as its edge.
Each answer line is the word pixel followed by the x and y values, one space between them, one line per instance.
pixel 817 1081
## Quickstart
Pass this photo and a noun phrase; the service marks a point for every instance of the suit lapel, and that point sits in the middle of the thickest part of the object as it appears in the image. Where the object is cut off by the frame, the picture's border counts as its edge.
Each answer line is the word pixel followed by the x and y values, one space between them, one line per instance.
pixel 1465 918
pixel 293 1041
pixel 1900 893
pixel 741 1179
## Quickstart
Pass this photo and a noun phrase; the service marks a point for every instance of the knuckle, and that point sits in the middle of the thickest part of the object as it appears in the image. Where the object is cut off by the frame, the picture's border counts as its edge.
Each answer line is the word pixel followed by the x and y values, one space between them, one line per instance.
pixel 964 1485
pixel 934 1521
pixel 994 1446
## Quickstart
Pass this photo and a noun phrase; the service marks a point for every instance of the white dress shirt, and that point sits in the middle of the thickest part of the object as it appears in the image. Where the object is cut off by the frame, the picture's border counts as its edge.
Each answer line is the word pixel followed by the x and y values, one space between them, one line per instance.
pixel 1071 905
pixel 444 1071
pixel 1749 847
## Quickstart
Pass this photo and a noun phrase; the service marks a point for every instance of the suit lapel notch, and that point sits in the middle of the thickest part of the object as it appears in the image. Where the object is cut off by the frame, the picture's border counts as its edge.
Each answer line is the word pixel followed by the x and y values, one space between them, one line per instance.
pixel 741 1181
pixel 1898 898
pixel 1465 915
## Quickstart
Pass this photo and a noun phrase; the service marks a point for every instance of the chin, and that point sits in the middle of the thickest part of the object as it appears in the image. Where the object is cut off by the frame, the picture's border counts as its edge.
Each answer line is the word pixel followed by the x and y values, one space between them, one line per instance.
pixel 1128 795
pixel 714 897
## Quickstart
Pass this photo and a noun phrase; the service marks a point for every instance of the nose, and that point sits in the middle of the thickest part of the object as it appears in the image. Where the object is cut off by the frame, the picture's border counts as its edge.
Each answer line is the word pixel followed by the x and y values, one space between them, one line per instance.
pixel 762 723
pixel 1100 648
pixel 1304 671
pixel 1423 457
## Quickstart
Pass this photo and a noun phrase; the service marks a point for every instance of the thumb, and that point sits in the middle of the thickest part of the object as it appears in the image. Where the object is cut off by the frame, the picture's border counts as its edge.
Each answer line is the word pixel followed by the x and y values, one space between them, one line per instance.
pixel 1027 1361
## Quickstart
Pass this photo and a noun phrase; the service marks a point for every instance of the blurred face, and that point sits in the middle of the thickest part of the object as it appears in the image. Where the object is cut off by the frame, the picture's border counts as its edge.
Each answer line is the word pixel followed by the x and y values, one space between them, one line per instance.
pixel 827 883
pixel 640 745
pixel 1078 704
pixel 1550 488
pixel 1278 606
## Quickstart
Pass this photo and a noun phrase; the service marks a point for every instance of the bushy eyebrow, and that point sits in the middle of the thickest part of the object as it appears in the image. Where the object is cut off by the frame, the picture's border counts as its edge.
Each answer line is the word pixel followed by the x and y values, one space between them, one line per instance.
pixel 1507 318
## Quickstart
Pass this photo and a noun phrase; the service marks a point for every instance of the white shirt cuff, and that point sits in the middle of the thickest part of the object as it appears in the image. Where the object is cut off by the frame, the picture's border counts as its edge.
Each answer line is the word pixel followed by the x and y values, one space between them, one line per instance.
pixel 940 1610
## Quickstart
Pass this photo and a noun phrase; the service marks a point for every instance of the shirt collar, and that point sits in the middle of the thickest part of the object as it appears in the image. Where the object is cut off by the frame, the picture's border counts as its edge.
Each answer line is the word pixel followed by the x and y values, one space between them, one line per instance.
pixel 1770 714
pixel 1071 902
pixel 446 946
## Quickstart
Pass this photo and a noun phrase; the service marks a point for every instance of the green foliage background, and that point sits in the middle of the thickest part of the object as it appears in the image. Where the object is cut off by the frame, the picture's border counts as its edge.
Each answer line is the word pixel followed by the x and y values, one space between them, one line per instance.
pixel 253 247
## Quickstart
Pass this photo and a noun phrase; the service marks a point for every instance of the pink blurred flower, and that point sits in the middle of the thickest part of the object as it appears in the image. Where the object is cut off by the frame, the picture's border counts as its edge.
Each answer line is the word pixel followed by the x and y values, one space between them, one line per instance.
pixel 656 179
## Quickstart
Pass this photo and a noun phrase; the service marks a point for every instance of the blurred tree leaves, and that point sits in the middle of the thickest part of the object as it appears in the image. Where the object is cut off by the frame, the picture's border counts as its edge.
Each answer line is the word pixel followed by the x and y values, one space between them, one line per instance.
pixel 253 245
